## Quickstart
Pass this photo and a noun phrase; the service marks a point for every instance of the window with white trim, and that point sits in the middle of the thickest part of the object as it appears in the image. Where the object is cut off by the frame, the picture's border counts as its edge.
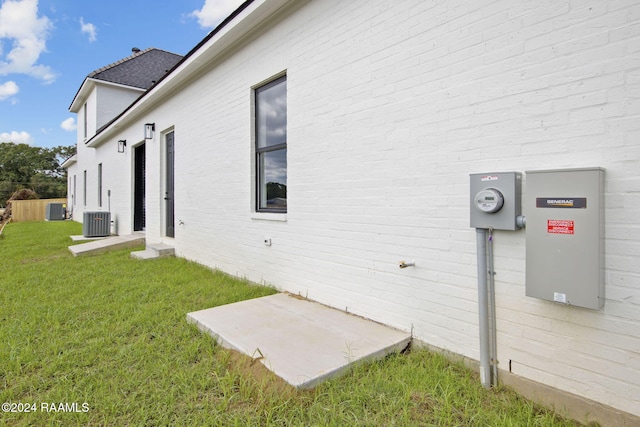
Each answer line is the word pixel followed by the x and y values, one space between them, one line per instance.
pixel 271 146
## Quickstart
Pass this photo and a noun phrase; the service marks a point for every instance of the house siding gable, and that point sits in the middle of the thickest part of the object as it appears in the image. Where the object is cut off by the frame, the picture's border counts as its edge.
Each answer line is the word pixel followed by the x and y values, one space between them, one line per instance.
pixel 111 101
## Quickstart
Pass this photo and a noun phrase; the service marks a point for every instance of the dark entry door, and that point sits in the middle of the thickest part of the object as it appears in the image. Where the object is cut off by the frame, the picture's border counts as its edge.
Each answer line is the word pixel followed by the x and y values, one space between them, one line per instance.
pixel 139 185
pixel 169 193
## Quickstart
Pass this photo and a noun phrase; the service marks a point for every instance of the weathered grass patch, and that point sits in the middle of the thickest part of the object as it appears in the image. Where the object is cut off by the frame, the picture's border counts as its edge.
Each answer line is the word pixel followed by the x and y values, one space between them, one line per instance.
pixel 110 331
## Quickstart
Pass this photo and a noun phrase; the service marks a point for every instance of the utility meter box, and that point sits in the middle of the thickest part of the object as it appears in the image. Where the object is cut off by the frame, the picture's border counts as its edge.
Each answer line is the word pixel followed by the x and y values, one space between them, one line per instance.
pixel 495 200
pixel 564 213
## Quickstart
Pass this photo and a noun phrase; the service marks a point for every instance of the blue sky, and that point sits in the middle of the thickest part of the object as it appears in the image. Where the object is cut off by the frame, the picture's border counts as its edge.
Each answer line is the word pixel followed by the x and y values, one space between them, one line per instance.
pixel 47 48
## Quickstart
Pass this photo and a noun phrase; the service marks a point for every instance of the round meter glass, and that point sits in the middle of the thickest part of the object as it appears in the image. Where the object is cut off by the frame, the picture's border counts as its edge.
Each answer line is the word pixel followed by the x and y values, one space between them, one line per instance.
pixel 489 200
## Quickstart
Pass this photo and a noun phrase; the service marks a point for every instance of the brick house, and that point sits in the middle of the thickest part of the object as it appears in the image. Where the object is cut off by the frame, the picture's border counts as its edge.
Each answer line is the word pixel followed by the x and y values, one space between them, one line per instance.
pixel 344 134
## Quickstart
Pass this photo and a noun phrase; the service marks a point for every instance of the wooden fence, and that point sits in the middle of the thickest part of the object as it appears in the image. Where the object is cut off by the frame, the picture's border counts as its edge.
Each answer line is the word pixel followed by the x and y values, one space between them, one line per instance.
pixel 31 210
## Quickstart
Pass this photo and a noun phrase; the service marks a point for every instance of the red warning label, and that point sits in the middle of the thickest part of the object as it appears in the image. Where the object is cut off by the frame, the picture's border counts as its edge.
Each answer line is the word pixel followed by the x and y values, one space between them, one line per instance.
pixel 559 226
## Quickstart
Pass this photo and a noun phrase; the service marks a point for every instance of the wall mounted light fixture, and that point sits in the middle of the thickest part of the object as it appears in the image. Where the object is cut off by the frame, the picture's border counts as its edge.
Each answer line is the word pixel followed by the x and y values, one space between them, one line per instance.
pixel 122 143
pixel 149 129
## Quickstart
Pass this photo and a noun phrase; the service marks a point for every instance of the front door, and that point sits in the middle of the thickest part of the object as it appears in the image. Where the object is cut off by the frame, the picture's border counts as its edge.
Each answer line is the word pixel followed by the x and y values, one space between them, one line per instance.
pixel 139 182
pixel 169 188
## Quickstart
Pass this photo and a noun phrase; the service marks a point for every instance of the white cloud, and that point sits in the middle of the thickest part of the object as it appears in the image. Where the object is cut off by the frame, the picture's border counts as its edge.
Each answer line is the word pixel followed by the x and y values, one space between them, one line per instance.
pixel 16 137
pixel 214 11
pixel 69 124
pixel 19 23
pixel 89 29
pixel 8 89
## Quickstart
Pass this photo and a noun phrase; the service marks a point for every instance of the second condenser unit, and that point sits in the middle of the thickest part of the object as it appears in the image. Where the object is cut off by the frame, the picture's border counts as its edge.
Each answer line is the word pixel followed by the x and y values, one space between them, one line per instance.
pixel 56 212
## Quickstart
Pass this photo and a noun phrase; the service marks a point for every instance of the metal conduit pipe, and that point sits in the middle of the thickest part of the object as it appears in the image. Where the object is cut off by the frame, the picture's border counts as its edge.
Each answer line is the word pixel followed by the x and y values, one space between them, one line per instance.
pixel 493 348
pixel 483 312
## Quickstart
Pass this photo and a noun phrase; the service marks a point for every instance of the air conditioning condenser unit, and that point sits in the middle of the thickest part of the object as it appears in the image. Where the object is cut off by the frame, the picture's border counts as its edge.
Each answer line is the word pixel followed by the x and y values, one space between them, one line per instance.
pixel 56 212
pixel 96 224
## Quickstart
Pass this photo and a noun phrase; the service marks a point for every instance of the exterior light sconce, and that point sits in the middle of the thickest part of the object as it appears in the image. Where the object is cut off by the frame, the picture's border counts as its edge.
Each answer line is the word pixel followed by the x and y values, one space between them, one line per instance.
pixel 121 145
pixel 149 129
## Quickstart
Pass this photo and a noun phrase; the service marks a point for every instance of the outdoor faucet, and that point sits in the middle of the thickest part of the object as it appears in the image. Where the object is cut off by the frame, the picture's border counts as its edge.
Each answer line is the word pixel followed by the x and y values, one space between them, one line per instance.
pixel 407 264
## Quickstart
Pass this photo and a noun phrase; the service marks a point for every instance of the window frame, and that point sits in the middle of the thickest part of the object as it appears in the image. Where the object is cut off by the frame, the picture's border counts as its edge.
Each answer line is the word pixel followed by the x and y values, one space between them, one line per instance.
pixel 261 151
pixel 84 124
pixel 84 189
pixel 99 185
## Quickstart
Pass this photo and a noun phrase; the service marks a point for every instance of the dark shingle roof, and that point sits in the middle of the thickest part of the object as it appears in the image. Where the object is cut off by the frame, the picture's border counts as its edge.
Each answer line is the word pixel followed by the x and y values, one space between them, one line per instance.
pixel 141 70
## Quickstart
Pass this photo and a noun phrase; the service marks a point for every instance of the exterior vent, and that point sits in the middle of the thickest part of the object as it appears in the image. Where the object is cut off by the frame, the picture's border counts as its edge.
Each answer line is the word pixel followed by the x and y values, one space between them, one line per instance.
pixel 96 224
pixel 56 212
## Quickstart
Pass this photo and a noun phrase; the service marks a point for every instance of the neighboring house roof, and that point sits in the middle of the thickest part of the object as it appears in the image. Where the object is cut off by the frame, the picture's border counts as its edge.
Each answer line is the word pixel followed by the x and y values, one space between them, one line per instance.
pixel 139 71
pixel 246 18
pixel 188 61
pixel 142 69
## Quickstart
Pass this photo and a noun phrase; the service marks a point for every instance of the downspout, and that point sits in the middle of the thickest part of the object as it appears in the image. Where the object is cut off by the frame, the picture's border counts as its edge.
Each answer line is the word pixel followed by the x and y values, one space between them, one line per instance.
pixel 483 304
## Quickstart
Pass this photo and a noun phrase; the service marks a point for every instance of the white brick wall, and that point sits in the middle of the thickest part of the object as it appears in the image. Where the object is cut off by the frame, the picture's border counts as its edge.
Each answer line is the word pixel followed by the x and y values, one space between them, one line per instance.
pixel 391 105
pixel 116 169
pixel 104 103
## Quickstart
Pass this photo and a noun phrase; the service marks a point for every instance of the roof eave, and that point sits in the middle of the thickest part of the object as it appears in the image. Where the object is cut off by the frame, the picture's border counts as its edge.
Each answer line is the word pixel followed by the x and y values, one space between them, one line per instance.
pixel 70 161
pixel 241 22
pixel 82 94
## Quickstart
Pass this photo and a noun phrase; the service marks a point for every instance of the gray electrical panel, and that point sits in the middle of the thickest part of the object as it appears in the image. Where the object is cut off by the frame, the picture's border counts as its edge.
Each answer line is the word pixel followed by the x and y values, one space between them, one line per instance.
pixel 495 200
pixel 564 215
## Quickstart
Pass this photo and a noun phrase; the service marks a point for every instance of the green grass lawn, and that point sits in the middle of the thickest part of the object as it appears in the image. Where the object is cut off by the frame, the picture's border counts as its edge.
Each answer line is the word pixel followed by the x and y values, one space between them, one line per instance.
pixel 107 336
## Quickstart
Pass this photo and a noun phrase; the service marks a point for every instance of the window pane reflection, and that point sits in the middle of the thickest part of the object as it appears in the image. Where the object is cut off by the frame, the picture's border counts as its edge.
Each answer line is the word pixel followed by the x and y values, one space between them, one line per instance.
pixel 273 179
pixel 271 106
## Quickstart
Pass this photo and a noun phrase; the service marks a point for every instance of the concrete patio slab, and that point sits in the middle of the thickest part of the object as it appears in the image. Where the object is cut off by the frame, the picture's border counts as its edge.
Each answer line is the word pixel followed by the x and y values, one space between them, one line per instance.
pixel 108 244
pixel 301 341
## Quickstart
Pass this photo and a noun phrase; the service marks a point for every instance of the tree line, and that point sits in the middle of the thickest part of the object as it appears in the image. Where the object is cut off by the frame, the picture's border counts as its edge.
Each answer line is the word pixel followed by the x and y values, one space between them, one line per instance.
pixel 37 168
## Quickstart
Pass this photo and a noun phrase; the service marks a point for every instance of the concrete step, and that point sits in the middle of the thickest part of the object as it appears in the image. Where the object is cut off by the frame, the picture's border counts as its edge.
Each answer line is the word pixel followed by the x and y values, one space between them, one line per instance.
pixel 108 244
pixel 153 251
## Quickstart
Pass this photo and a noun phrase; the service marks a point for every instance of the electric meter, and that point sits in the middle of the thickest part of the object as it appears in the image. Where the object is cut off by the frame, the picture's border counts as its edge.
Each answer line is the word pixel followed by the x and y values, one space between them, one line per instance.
pixel 494 200
pixel 489 200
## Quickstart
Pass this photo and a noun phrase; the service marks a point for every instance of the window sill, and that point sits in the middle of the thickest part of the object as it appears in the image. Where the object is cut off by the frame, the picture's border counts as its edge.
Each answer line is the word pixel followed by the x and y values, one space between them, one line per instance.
pixel 269 216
